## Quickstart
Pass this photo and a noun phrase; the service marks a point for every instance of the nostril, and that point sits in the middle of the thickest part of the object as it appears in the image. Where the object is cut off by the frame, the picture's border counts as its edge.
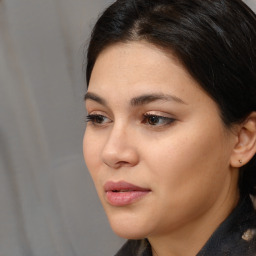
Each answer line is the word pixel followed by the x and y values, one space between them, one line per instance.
pixel 115 162
pixel 123 163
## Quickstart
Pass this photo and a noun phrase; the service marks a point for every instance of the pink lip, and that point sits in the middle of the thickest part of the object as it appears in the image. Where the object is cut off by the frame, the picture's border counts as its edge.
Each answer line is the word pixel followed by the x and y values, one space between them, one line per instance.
pixel 123 193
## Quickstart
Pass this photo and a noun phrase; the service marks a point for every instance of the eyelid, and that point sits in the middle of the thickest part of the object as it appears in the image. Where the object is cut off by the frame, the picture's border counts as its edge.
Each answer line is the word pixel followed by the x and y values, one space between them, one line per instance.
pixel 95 107
pixel 96 112
pixel 161 114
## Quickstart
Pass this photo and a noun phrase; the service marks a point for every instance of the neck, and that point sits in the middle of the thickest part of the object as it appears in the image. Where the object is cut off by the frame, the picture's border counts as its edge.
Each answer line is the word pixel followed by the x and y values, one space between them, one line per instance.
pixel 189 239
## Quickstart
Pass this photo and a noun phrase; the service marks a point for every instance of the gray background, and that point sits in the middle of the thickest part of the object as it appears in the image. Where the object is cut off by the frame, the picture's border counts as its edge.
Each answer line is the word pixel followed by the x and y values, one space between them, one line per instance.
pixel 48 205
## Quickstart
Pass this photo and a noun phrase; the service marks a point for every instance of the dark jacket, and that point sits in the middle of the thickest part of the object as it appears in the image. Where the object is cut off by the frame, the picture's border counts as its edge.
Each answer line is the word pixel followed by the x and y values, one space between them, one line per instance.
pixel 236 236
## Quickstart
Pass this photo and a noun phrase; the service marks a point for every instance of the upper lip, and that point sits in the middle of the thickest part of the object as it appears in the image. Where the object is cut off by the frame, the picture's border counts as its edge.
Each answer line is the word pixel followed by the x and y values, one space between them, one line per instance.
pixel 122 186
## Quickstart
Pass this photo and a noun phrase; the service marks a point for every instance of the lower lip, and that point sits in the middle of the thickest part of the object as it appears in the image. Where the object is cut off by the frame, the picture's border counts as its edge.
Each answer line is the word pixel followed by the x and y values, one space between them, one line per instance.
pixel 124 198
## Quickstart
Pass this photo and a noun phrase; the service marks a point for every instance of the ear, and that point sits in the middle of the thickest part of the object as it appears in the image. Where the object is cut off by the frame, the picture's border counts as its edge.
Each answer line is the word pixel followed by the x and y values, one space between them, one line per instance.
pixel 245 147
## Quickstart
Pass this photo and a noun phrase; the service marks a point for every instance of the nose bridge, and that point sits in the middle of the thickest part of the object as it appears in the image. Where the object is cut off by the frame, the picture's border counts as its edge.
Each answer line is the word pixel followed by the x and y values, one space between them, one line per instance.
pixel 116 138
pixel 119 148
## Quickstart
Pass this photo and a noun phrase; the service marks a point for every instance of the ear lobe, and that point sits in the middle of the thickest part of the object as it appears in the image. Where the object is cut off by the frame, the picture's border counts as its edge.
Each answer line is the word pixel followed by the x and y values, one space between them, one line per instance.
pixel 245 148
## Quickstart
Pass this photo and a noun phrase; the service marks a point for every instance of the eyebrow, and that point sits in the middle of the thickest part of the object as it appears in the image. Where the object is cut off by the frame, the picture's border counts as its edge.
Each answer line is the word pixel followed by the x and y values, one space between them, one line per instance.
pixel 94 97
pixel 148 98
pixel 137 101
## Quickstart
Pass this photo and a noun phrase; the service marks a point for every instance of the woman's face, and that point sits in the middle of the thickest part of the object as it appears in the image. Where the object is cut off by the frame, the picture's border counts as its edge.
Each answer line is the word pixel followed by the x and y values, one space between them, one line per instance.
pixel 155 145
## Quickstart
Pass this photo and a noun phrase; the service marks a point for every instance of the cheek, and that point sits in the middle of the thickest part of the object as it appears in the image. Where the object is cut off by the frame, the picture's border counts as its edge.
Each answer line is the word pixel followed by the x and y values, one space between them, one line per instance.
pixel 185 163
pixel 185 175
pixel 91 153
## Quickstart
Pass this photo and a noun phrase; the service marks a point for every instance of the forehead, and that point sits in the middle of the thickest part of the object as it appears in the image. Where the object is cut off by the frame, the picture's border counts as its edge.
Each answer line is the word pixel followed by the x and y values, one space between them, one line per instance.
pixel 136 65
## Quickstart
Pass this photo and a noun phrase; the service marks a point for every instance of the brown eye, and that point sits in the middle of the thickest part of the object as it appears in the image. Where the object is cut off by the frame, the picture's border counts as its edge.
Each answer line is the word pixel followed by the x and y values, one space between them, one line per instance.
pixel 97 119
pixel 155 120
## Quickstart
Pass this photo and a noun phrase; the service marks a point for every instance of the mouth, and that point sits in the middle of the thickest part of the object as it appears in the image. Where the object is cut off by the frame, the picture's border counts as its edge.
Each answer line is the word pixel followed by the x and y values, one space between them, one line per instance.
pixel 122 193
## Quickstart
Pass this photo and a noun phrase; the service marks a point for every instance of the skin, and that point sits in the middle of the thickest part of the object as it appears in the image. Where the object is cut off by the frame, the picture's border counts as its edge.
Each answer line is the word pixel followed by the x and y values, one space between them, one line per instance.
pixel 183 159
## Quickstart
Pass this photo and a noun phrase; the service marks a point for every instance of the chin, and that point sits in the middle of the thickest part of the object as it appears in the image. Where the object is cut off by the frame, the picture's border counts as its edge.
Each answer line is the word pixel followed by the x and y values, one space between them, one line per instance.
pixel 129 229
pixel 129 234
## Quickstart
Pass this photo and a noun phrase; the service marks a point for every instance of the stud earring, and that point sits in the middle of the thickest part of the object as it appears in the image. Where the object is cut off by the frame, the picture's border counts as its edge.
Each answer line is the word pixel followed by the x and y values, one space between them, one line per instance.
pixel 240 161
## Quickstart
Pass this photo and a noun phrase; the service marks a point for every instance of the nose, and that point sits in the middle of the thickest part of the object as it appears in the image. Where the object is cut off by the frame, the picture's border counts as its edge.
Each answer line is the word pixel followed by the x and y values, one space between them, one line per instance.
pixel 120 149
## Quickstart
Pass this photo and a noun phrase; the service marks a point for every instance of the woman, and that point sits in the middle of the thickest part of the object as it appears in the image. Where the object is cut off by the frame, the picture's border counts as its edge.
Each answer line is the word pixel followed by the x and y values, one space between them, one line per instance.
pixel 171 136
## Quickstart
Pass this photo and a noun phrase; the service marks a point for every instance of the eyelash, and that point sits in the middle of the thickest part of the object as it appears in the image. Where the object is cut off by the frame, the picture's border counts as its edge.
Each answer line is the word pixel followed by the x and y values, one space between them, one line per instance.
pixel 165 120
pixel 97 119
